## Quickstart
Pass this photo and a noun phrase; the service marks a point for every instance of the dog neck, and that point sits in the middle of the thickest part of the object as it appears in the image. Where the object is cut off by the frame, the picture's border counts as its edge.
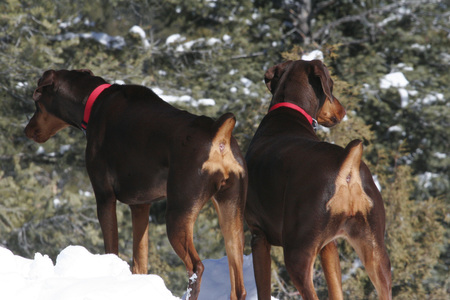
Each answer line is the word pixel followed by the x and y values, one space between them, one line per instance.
pixel 92 97
pixel 293 106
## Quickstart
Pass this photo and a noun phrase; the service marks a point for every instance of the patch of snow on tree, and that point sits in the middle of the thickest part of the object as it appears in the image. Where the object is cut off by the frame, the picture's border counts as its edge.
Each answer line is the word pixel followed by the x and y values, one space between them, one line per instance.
pixel 315 54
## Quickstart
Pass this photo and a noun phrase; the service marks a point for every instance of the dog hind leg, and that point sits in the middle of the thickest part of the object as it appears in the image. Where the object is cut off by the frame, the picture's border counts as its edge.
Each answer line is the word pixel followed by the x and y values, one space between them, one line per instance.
pixel 329 258
pixel 375 259
pixel 181 215
pixel 230 208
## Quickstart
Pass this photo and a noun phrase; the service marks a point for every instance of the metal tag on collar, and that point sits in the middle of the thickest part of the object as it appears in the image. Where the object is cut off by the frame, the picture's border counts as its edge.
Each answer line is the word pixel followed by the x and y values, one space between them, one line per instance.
pixel 314 124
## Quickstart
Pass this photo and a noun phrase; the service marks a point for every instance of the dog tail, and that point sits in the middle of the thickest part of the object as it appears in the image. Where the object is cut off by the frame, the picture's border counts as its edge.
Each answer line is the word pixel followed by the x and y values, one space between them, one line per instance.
pixel 221 156
pixel 349 197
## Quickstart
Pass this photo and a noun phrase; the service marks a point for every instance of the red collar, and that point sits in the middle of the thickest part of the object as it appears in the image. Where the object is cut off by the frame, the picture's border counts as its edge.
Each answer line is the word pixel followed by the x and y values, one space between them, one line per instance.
pixel 294 107
pixel 92 97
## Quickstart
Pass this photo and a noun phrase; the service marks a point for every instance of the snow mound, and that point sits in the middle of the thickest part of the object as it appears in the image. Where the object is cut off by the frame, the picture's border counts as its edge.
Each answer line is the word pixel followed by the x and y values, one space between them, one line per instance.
pixel 79 274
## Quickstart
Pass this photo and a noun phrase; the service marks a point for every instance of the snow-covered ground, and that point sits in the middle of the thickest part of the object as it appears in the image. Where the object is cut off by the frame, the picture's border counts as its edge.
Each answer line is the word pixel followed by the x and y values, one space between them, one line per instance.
pixel 81 275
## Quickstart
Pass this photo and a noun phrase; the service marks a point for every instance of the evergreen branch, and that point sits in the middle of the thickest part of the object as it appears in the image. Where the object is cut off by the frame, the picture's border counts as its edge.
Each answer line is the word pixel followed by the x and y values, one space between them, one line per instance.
pixel 260 53
pixel 363 17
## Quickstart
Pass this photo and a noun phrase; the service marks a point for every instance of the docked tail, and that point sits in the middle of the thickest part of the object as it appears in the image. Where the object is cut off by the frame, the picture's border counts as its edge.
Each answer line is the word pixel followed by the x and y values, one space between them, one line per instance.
pixel 349 197
pixel 220 155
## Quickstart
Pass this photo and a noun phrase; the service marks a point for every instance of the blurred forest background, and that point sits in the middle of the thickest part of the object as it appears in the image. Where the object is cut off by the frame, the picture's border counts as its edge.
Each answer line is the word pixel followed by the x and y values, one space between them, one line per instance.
pixel 190 50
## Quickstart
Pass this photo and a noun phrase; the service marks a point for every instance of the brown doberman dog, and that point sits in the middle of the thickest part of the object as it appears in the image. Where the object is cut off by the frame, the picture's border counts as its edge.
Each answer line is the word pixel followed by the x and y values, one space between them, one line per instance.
pixel 141 149
pixel 304 193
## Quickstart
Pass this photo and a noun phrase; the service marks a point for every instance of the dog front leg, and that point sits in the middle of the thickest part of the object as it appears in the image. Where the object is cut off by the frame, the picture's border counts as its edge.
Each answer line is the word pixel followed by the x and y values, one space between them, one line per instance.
pixel 106 212
pixel 139 216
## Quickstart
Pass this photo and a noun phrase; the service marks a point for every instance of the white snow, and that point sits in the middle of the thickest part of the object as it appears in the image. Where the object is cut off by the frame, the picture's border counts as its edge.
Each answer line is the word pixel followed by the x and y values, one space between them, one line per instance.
pixel 433 97
pixel 246 82
pixel 187 46
pixel 315 54
pixel 138 30
pixel 193 278
pixel 206 102
pixel 21 85
pixel 174 38
pixel 211 3
pixel 119 81
pixel 404 97
pixel 395 79
pixel 399 81
pixel 396 128
pixel 85 193
pixel 226 38
pixel 40 150
pixel 405 67
pixel 141 33
pixel 183 98
pixel 79 274
pixel 420 47
pixel 114 42
pixel 426 179
pixel 440 155
pixel 64 148
pixel 212 41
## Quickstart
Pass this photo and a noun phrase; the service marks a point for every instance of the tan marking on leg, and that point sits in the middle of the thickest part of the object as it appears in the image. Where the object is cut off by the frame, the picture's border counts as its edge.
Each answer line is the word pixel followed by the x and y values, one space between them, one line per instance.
pixel 220 155
pixel 350 197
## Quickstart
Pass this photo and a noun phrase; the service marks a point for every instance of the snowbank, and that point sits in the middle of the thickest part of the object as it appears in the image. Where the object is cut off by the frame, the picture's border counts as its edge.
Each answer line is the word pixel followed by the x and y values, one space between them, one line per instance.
pixel 79 274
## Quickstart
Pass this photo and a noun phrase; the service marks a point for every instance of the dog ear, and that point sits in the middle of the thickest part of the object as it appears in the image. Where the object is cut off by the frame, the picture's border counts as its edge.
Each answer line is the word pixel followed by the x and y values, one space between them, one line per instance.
pixel 273 75
pixel 46 80
pixel 86 71
pixel 321 71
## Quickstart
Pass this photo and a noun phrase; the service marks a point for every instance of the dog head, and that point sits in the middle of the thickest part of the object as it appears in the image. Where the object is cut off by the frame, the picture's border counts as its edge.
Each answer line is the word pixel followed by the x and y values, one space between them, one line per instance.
pixel 59 99
pixel 307 84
